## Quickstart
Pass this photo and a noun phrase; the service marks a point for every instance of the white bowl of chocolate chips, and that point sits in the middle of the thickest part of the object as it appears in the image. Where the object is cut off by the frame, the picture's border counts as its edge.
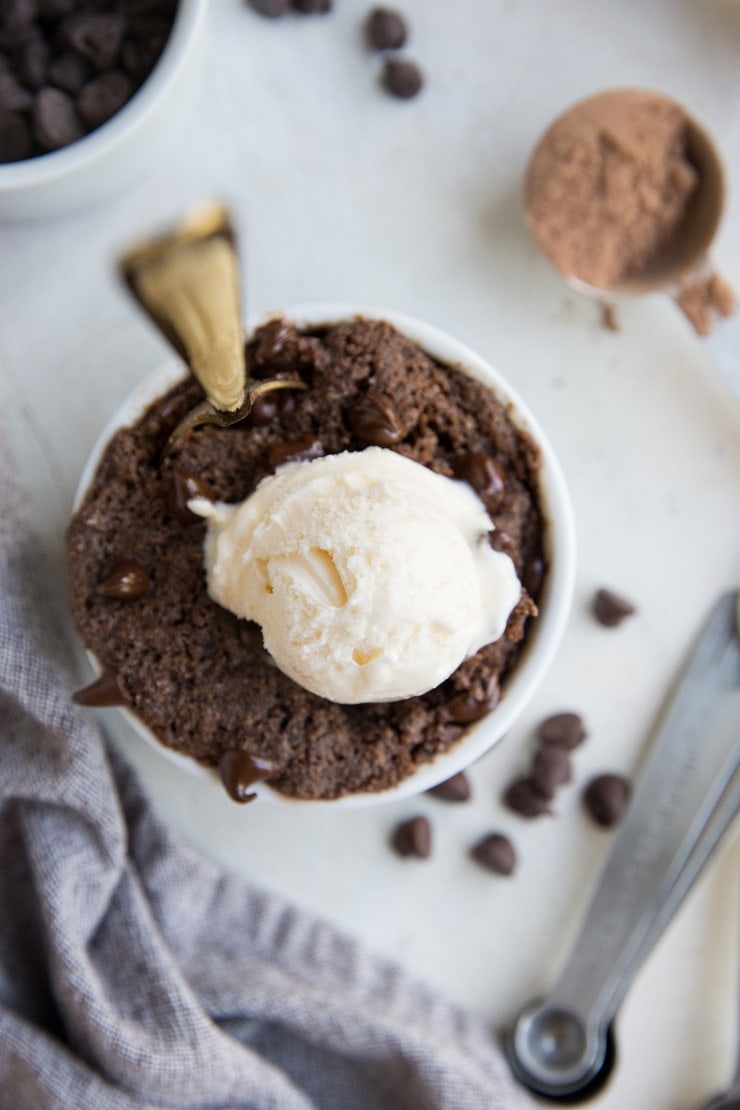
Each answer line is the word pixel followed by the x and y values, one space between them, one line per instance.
pixel 88 93
pixel 124 575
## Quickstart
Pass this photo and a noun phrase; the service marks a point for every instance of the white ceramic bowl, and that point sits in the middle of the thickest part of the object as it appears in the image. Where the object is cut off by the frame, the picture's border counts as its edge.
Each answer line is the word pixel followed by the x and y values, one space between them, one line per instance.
pixel 106 159
pixel 545 633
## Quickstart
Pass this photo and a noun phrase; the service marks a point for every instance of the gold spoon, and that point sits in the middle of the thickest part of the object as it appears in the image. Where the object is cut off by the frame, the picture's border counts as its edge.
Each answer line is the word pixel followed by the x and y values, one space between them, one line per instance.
pixel 187 281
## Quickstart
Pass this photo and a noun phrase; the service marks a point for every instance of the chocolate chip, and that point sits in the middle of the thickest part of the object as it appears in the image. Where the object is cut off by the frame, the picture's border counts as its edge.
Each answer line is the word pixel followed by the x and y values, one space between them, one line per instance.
pixel 533 576
pixel 523 798
pixel 413 838
pixel 312 7
pixel 386 29
pixel 496 853
pixel 273 9
pixel 107 690
pixel 470 706
pixel 550 769
pixel 276 345
pixel 31 60
pixel 562 730
pixel 55 120
pixel 455 789
pixel 125 581
pixel 402 78
pixel 184 487
pixel 374 419
pixel 250 637
pixel 605 798
pixel 13 97
pixel 15 137
pixel 97 36
pixel 484 473
pixel 69 72
pixel 55 9
pixel 294 450
pixel 610 609
pixel 15 14
pixel 240 770
pixel 103 97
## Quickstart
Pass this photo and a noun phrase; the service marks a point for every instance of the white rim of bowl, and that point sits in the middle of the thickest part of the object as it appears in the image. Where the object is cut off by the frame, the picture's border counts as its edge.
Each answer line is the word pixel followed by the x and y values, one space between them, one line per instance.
pixel 189 19
pixel 544 637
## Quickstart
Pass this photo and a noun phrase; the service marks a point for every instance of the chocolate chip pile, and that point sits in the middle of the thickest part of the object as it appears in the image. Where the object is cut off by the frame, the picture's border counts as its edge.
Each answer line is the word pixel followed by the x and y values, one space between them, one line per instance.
pixel 604 797
pixel 67 66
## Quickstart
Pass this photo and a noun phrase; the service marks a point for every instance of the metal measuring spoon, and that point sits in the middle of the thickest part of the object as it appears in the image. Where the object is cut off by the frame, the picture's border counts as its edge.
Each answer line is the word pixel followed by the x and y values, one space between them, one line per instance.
pixel 687 796
pixel 680 262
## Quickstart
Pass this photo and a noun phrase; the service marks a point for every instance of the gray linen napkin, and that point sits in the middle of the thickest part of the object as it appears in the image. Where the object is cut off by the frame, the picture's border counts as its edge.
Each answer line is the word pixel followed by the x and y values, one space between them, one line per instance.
pixel 135 973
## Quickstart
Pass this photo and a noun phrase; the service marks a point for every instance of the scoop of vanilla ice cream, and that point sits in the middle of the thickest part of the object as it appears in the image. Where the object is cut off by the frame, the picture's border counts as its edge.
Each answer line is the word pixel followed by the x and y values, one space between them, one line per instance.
pixel 372 577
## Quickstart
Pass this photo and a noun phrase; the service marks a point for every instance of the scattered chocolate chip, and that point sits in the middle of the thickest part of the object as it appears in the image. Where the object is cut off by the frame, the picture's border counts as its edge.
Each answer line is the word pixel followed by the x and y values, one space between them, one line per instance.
pixel 294 450
pixel 455 789
pixel 484 473
pixel 125 581
pixel 386 29
pixel 15 137
pixel 97 36
pixel 15 14
pixel 103 97
pixel 467 707
pixel 312 7
pixel 55 121
pixel 605 798
pixel 402 78
pixel 240 770
pixel 374 419
pixel 524 798
pixel 13 96
pixel 184 487
pixel 562 730
pixel 107 690
pixel 496 853
pixel 413 838
pixel 610 609
pixel 550 769
pixel 69 72
pixel 273 9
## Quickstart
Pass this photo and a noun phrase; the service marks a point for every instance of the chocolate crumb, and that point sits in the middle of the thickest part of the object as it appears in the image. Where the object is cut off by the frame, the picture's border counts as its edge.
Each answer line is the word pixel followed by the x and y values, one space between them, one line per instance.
pixel 523 797
pixel 496 853
pixel 605 798
pixel 611 609
pixel 455 789
pixel 703 301
pixel 562 730
pixel 413 838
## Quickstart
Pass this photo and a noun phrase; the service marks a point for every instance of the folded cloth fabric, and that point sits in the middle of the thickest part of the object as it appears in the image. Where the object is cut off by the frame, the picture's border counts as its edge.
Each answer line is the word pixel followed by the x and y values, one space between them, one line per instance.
pixel 135 973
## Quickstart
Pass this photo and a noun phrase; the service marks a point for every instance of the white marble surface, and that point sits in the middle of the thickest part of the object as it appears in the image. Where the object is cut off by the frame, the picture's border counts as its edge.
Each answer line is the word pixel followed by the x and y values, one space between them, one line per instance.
pixel 344 194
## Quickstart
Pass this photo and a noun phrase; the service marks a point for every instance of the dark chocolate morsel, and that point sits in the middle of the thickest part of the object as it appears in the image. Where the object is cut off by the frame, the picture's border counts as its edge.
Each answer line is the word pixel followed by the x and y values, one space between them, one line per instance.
pixel 15 14
pixel 467 707
pixel 56 123
pixel 496 853
pixel 373 419
pixel 106 690
pixel 69 72
pixel 125 580
pixel 523 798
pixel 455 789
pixel 13 96
pixel 184 487
pixel 294 450
pixel 484 473
pixel 386 29
pixel 31 60
pixel 610 609
pixel 312 7
pixel 605 798
pixel 402 78
pixel 240 770
pixel 97 36
pixel 562 730
pixel 550 769
pixel 103 97
pixel 15 137
pixel 413 838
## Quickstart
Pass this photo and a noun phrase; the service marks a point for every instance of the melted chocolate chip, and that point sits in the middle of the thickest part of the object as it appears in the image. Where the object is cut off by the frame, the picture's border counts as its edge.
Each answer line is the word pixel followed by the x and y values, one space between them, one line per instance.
pixel 523 798
pixel 275 344
pixel 455 789
pixel 562 730
pixel 183 487
pixel 610 609
pixel 468 707
pixel 413 838
pixel 125 581
pixel 605 798
pixel 496 853
pixel 107 690
pixel 294 450
pixel 484 473
pixel 374 419
pixel 240 770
